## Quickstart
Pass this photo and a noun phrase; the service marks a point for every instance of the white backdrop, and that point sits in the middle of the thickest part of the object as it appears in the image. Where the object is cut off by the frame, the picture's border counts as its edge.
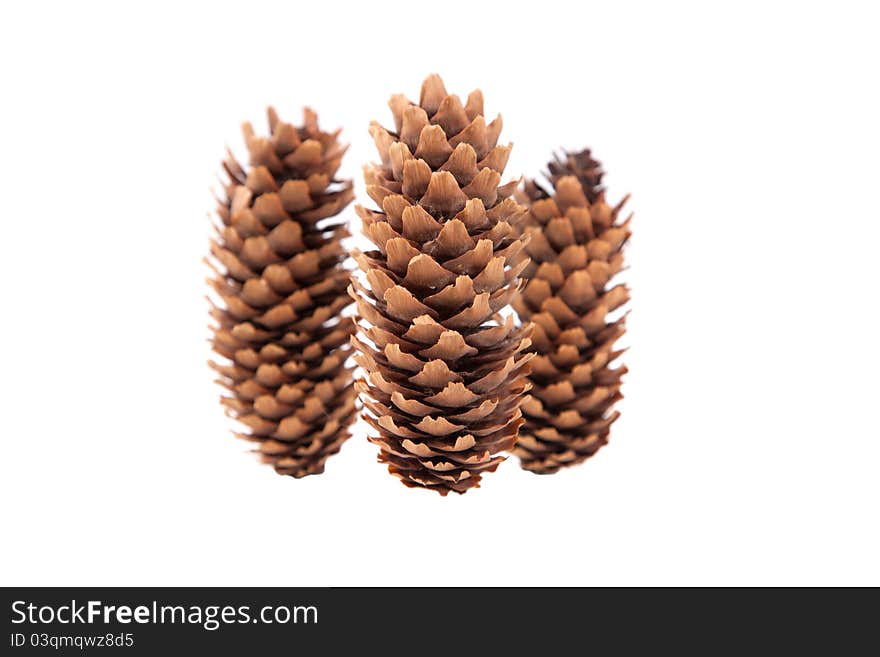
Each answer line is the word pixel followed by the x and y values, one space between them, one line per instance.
pixel 748 448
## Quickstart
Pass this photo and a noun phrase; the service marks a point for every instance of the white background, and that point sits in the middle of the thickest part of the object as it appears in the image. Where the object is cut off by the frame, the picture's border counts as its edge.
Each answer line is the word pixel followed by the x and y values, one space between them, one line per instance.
pixel 748 448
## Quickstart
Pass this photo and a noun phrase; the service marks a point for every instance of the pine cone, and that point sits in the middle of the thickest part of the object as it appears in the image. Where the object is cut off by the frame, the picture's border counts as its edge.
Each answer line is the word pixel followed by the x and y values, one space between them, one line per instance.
pixel 576 249
pixel 445 373
pixel 283 287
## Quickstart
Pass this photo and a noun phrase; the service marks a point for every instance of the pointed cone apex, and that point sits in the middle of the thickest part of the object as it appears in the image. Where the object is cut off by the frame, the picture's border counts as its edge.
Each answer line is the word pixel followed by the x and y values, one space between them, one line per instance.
pixel 433 93
pixel 582 166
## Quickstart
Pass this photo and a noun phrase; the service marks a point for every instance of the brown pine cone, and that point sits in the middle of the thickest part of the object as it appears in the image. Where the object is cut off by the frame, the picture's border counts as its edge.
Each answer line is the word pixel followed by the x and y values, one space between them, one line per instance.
pixel 444 372
pixel 279 275
pixel 576 250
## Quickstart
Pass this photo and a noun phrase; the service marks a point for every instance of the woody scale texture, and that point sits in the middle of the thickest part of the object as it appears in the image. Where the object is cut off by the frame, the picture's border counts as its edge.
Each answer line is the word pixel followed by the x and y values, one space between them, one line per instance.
pixel 277 258
pixel 444 372
pixel 576 249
